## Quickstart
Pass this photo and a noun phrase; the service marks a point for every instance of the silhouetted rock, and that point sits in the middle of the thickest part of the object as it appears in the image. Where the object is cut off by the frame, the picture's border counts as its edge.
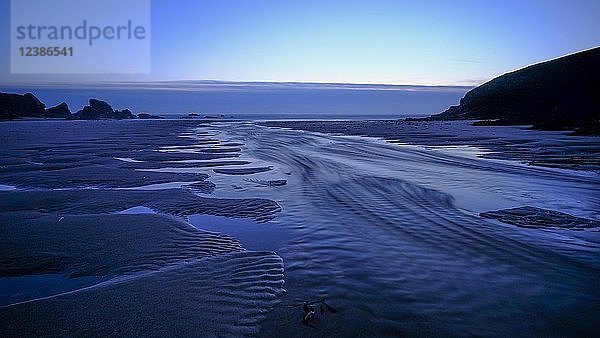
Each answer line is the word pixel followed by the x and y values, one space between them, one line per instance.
pixel 95 110
pixel 213 117
pixel 98 109
pixel 123 114
pixel 60 111
pixel 531 217
pixel 14 106
pixel 191 116
pixel 561 94
pixel 100 105
pixel 145 116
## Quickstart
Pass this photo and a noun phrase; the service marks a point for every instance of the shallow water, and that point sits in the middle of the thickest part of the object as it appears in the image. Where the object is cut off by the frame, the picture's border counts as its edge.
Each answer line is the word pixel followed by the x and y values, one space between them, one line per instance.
pixel 22 288
pixel 267 236
pixel 391 236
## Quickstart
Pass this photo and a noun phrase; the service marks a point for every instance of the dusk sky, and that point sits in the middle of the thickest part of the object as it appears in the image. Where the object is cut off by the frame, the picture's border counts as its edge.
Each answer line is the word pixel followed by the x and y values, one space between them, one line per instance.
pixel 394 42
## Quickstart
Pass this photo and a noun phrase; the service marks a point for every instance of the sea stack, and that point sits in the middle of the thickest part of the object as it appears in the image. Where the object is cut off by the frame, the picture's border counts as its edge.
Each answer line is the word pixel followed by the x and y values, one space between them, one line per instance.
pixel 60 111
pixel 98 109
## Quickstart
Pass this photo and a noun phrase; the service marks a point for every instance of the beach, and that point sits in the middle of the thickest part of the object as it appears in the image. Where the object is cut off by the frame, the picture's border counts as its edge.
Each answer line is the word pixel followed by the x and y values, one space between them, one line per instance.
pixel 226 227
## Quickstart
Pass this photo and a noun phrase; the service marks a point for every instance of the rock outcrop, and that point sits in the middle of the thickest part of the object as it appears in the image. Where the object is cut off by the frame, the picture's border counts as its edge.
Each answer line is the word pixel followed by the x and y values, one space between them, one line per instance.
pixel 531 217
pixel 60 111
pixel 14 106
pixel 146 116
pixel 560 94
pixel 98 109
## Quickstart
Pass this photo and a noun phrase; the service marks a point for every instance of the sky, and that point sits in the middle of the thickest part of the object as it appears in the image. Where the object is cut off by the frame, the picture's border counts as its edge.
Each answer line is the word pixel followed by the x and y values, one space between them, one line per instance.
pixel 375 41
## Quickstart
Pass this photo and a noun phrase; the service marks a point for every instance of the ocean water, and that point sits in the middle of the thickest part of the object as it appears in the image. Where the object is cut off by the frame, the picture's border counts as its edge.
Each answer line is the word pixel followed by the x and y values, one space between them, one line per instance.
pixel 258 100
pixel 388 234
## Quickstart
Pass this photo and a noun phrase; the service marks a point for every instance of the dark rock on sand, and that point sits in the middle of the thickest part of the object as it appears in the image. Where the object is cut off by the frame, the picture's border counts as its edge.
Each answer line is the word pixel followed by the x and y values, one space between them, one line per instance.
pixel 241 171
pixel 14 106
pixel 98 109
pixel 60 111
pixel 271 183
pixel 560 94
pixel 531 217
pixel 145 116
pixel 277 183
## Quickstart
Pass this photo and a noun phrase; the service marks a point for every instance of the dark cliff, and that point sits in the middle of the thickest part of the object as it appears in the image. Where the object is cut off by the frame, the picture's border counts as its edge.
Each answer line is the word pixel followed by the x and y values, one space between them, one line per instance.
pixel 560 94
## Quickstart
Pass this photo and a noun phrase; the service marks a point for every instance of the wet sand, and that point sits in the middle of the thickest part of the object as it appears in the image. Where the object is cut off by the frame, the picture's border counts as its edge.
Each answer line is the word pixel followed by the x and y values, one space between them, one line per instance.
pixel 104 246
pixel 168 228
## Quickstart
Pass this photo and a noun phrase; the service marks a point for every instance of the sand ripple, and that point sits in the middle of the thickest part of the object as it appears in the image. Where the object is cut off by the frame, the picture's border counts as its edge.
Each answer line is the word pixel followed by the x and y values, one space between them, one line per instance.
pixel 126 274
pixel 225 296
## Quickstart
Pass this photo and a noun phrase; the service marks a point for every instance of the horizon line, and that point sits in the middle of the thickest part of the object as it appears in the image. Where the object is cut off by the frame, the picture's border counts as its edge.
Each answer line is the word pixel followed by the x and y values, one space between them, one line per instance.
pixel 208 82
